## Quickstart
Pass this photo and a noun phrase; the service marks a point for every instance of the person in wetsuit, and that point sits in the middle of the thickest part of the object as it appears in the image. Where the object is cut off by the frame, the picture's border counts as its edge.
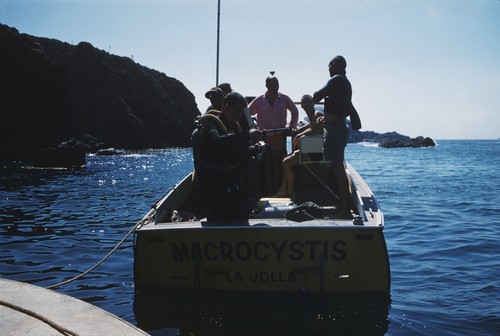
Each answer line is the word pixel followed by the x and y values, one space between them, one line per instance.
pixel 221 149
pixel 337 94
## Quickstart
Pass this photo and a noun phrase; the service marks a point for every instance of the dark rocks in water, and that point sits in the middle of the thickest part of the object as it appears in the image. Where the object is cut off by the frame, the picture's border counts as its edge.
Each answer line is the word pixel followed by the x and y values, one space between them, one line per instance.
pixel 52 92
pixel 110 151
pixel 413 143
pixel 370 136
pixel 69 154
pixel 389 139
pixel 420 141
pixel 393 143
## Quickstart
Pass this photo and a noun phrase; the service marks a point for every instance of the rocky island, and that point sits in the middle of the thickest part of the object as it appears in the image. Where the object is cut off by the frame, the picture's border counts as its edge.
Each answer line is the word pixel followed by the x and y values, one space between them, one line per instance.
pixel 60 101
pixel 390 139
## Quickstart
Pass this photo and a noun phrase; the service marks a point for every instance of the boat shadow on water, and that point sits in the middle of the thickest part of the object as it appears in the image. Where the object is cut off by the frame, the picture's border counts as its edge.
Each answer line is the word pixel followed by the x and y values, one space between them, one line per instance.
pixel 270 314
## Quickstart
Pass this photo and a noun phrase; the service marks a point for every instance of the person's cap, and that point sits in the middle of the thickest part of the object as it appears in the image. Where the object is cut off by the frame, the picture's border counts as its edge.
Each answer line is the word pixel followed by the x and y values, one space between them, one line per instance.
pixel 214 91
pixel 339 61
pixel 225 87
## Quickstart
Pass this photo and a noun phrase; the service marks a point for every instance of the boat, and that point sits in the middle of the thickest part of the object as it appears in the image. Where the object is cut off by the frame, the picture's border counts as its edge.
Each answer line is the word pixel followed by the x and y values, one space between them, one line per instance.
pixel 287 245
pixel 31 310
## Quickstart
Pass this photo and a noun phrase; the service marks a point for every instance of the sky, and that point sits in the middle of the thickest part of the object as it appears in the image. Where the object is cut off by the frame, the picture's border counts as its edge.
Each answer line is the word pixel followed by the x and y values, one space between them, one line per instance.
pixel 417 67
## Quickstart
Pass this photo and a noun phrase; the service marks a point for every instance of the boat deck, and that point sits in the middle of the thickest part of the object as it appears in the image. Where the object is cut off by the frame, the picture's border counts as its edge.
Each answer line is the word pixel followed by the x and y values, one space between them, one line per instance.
pixel 29 310
pixel 273 213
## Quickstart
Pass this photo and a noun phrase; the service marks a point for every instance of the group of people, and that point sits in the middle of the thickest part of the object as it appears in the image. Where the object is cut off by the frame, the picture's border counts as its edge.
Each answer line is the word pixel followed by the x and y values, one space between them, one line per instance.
pixel 227 142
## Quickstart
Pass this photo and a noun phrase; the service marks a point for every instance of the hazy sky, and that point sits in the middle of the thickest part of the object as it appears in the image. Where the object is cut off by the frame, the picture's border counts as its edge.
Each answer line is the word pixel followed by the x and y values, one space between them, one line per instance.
pixel 418 67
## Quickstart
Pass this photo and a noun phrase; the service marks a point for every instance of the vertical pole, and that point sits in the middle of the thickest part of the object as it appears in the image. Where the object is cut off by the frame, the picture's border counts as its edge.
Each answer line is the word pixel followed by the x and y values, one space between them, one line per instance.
pixel 218 38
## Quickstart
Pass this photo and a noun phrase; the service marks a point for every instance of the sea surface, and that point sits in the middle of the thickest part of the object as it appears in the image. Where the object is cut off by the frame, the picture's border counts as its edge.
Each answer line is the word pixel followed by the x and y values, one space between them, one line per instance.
pixel 442 227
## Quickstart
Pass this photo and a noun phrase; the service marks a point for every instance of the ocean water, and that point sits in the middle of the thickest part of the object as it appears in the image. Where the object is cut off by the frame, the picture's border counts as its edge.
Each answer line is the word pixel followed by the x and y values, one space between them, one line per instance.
pixel 442 227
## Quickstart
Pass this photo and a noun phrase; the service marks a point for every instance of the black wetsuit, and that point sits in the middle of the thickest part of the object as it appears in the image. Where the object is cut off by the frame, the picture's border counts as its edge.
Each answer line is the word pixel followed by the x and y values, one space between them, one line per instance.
pixel 220 155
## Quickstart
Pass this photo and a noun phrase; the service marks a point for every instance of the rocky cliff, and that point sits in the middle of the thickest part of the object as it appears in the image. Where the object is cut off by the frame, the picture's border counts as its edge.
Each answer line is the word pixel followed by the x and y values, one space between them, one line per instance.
pixel 52 92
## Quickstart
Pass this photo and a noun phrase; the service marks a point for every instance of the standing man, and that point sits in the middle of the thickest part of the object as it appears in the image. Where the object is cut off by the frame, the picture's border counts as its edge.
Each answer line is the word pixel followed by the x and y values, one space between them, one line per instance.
pixel 337 94
pixel 271 110
pixel 221 150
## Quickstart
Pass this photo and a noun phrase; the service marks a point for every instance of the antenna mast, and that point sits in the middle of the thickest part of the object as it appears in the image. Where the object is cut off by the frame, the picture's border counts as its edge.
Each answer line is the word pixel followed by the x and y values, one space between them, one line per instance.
pixel 218 38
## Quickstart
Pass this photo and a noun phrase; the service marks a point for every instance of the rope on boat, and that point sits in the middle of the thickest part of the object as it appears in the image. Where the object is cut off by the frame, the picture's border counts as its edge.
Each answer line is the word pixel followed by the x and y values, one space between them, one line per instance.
pixel 147 218
pixel 100 261
pixel 52 324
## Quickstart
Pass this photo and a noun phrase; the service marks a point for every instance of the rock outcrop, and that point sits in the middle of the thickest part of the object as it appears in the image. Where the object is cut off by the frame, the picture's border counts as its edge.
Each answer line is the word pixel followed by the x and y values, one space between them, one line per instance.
pixel 52 92
pixel 390 139
pixel 417 142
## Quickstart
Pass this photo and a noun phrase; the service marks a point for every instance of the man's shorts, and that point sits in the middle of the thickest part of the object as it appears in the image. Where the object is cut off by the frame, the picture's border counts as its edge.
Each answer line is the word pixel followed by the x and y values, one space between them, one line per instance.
pixel 335 139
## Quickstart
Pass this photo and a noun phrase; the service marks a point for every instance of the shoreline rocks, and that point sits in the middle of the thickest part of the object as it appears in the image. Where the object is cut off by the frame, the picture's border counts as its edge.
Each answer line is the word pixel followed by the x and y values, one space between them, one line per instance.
pixel 417 142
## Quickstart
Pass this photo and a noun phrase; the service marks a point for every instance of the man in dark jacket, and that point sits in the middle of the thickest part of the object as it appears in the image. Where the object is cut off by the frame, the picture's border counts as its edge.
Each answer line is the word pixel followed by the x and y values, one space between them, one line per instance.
pixel 221 149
